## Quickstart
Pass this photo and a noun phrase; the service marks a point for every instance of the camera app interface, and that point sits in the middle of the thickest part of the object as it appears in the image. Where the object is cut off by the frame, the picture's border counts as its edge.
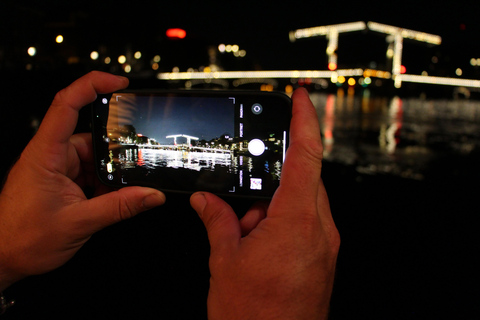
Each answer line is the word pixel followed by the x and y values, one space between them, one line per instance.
pixel 218 144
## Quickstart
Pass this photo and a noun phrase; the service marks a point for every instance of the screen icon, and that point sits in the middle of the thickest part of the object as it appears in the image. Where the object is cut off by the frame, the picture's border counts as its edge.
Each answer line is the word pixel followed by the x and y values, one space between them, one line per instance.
pixel 256 147
pixel 255 184
pixel 257 108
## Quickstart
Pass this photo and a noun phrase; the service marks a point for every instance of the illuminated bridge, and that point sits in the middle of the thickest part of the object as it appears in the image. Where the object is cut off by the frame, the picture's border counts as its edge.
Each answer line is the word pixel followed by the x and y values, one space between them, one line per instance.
pixel 182 147
pixel 394 36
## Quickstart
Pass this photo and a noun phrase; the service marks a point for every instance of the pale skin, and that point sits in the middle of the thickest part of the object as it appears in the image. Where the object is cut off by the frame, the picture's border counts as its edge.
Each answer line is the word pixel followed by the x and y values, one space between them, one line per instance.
pixel 277 262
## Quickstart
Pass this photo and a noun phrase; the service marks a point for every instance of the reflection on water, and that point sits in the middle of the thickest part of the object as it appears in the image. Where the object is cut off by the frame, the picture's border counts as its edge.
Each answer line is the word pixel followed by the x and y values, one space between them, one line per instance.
pixel 399 136
pixel 154 158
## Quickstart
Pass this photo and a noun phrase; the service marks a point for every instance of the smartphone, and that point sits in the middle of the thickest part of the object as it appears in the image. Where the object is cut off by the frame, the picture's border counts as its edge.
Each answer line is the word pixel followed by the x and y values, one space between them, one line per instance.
pixel 225 142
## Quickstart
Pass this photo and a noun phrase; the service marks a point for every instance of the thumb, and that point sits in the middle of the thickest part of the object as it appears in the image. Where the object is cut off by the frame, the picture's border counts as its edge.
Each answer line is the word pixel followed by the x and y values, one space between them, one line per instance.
pixel 123 204
pixel 220 220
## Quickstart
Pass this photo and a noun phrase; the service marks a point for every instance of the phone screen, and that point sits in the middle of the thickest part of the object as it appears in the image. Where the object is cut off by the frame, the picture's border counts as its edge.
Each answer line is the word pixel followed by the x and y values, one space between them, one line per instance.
pixel 230 143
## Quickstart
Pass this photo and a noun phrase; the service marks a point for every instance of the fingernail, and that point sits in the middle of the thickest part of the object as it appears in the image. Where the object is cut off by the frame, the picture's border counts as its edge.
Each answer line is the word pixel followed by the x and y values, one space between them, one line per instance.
pixel 123 79
pixel 153 200
pixel 199 202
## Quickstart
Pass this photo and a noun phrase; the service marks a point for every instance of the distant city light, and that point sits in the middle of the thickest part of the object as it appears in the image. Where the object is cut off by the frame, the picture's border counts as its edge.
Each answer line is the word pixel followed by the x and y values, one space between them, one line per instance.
pixel 459 72
pixel 156 59
pixel 137 55
pixel 390 53
pixel 107 60
pixel 94 55
pixel 59 39
pixel 176 33
pixel 122 59
pixel 475 62
pixel 127 68
pixel 32 51
pixel 232 48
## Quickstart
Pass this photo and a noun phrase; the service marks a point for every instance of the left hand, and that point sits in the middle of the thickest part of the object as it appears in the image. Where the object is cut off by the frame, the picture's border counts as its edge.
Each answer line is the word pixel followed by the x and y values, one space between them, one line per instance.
pixel 45 217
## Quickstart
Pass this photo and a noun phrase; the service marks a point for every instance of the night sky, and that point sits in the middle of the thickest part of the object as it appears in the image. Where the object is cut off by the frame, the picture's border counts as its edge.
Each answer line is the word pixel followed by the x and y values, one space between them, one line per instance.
pixel 199 117
pixel 260 27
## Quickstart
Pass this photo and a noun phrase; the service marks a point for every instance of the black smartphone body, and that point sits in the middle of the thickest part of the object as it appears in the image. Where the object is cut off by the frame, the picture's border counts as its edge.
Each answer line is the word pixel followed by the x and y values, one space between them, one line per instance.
pixel 225 142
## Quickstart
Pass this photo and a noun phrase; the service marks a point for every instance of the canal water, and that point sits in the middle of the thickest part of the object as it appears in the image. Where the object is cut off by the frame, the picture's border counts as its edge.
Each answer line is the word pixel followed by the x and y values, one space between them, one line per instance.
pixel 158 158
pixel 402 178
pixel 402 137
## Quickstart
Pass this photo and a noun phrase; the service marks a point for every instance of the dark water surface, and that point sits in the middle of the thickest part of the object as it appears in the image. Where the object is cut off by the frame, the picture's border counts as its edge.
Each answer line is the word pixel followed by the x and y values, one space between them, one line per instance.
pixel 396 136
pixel 402 177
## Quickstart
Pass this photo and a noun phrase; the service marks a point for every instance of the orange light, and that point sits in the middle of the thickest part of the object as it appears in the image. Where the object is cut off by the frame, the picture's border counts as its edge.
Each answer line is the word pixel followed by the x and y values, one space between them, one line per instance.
pixel 176 33
pixel 403 69
pixel 332 66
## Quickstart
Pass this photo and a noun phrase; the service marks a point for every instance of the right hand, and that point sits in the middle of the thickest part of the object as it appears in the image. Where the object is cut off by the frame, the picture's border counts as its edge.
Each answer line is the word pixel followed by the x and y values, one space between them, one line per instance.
pixel 278 261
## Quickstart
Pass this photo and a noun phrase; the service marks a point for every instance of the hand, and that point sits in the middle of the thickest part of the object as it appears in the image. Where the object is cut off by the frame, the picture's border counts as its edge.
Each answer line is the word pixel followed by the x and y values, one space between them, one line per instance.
pixel 45 216
pixel 278 261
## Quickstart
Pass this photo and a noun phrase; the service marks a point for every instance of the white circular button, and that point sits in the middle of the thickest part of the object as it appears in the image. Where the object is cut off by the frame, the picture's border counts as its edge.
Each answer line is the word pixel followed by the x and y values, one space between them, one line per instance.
pixel 256 147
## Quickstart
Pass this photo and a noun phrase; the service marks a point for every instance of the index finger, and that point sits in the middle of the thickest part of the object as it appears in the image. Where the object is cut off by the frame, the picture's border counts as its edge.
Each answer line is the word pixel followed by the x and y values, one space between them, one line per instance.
pixel 61 118
pixel 303 162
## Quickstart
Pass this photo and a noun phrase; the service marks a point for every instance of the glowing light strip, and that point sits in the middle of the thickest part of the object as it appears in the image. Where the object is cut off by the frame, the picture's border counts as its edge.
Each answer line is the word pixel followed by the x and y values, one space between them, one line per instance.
pixel 312 74
pixel 438 80
pixel 405 33
pixel 324 30
pixel 258 74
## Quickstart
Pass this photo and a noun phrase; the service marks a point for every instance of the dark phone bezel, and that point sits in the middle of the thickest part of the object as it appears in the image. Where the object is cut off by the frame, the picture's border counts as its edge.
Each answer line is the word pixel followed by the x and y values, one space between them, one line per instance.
pixel 97 133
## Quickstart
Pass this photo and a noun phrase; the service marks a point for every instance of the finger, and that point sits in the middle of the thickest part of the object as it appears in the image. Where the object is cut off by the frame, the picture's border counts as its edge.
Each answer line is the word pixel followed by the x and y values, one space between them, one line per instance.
pixel 116 206
pixel 220 220
pixel 80 166
pixel 252 218
pixel 304 125
pixel 81 157
pixel 83 145
pixel 61 118
pixel 301 172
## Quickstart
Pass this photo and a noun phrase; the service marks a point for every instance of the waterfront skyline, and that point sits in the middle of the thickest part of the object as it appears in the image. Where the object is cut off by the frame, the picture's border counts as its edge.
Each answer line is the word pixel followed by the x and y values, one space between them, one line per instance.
pixel 159 117
pixel 261 30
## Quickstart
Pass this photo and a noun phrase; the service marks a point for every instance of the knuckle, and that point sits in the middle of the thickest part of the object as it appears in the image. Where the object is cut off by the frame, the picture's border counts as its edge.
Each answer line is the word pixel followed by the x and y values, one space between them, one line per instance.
pixel 309 149
pixel 125 209
pixel 334 240
pixel 216 217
